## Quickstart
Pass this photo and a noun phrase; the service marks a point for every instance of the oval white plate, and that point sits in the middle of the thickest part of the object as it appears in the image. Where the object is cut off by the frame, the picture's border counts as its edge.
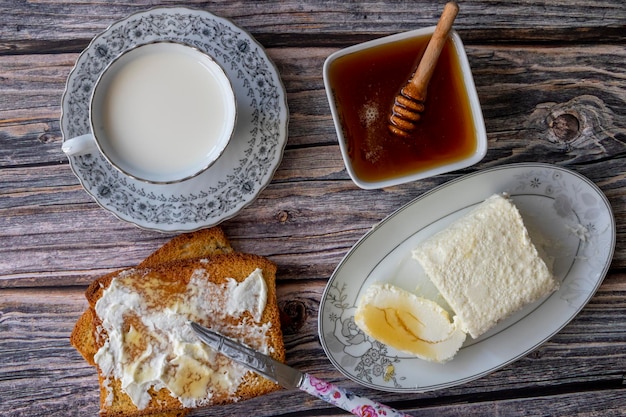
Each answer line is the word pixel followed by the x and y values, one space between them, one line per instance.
pixel 248 162
pixel 577 227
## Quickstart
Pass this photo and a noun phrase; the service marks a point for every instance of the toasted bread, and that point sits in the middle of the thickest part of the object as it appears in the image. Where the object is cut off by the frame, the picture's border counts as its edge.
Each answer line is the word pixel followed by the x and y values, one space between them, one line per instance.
pixel 82 337
pixel 198 244
pixel 175 263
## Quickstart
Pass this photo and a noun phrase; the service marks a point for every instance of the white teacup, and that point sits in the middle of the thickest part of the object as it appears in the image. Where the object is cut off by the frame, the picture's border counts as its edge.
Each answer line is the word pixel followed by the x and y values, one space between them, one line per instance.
pixel 161 112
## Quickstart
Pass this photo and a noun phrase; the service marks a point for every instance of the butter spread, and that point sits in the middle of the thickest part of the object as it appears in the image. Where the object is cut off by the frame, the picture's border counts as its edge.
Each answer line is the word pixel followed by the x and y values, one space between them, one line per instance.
pixel 250 295
pixel 150 343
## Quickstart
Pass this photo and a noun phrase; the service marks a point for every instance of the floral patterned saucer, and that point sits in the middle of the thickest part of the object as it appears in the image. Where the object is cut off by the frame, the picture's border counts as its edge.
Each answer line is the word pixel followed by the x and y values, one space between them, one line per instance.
pixel 246 166
pixel 567 216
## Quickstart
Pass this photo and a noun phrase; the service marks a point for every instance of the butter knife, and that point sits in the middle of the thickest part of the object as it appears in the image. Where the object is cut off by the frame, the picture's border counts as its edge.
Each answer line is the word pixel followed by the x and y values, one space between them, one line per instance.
pixel 290 378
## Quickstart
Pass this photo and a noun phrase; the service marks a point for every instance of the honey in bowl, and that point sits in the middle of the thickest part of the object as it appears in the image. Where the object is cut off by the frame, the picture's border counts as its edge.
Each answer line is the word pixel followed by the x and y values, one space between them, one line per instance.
pixel 364 85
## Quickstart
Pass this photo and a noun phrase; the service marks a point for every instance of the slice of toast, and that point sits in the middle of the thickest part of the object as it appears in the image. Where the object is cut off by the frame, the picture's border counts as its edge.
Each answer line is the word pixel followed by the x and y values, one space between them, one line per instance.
pixel 198 244
pixel 211 252
pixel 218 269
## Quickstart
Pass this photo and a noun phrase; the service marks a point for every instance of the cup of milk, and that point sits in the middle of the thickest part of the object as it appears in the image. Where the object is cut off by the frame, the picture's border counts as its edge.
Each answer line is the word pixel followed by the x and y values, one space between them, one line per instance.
pixel 162 113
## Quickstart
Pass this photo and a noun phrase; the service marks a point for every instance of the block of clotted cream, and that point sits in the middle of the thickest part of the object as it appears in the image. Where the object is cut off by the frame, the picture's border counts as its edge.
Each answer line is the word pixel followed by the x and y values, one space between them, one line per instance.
pixel 485 265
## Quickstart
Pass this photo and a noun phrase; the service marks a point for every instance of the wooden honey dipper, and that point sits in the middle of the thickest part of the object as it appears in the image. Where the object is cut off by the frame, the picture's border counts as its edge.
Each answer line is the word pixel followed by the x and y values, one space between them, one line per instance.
pixel 409 104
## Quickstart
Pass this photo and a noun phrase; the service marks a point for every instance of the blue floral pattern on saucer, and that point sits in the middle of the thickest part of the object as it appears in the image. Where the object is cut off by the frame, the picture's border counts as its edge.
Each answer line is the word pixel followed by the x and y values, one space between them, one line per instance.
pixel 249 161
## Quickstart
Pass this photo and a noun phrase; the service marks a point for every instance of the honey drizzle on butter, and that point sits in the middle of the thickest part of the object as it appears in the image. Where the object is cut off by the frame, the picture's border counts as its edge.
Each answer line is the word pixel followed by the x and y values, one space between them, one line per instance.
pixel 386 329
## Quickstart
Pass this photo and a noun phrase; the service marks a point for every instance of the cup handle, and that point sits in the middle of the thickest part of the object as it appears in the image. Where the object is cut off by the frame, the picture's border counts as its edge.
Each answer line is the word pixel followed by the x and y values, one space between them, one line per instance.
pixel 79 145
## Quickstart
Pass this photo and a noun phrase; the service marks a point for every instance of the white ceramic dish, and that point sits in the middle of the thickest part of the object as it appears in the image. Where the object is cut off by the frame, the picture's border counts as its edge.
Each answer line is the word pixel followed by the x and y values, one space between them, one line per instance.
pixel 246 166
pixel 468 81
pixel 569 210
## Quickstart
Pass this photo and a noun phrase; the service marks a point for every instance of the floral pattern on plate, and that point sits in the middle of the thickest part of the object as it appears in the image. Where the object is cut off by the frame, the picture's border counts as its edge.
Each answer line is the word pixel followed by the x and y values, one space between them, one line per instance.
pixel 571 212
pixel 249 161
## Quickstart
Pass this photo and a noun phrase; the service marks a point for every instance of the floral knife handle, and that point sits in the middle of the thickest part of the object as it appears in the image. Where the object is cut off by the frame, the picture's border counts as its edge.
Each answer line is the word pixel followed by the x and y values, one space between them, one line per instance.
pixel 359 406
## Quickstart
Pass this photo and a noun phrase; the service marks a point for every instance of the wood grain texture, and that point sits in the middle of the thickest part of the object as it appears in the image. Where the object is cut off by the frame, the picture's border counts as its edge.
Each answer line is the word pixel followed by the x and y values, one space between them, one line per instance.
pixel 69 26
pixel 37 184
pixel 582 362
pixel 552 84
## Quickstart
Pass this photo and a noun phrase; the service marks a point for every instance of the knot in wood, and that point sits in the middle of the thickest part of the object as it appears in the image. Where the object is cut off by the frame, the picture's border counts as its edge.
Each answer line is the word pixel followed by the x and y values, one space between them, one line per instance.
pixel 293 315
pixel 584 128
pixel 566 127
pixel 282 216
pixel 46 138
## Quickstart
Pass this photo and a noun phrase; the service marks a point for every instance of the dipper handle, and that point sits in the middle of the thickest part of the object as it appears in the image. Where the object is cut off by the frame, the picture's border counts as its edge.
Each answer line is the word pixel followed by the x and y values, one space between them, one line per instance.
pixel 410 102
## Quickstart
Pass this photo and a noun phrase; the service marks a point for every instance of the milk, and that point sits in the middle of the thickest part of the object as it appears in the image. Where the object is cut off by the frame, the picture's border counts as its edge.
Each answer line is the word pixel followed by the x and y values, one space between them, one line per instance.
pixel 163 112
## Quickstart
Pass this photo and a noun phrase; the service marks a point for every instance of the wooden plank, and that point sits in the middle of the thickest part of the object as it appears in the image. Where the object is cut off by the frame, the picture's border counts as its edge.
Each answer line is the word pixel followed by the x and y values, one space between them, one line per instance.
pixel 538 81
pixel 76 240
pixel 68 26
pixel 583 362
pixel 292 225
pixel 58 225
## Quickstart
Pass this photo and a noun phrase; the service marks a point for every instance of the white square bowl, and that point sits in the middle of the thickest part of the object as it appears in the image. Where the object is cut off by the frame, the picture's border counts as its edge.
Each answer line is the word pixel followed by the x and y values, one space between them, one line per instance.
pixel 480 134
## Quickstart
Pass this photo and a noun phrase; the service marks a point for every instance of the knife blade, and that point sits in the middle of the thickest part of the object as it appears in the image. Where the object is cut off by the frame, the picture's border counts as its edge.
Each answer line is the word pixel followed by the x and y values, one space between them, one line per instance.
pixel 289 377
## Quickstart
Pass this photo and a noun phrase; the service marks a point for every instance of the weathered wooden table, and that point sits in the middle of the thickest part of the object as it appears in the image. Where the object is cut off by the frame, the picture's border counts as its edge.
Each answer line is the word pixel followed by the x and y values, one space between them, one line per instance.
pixel 551 77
